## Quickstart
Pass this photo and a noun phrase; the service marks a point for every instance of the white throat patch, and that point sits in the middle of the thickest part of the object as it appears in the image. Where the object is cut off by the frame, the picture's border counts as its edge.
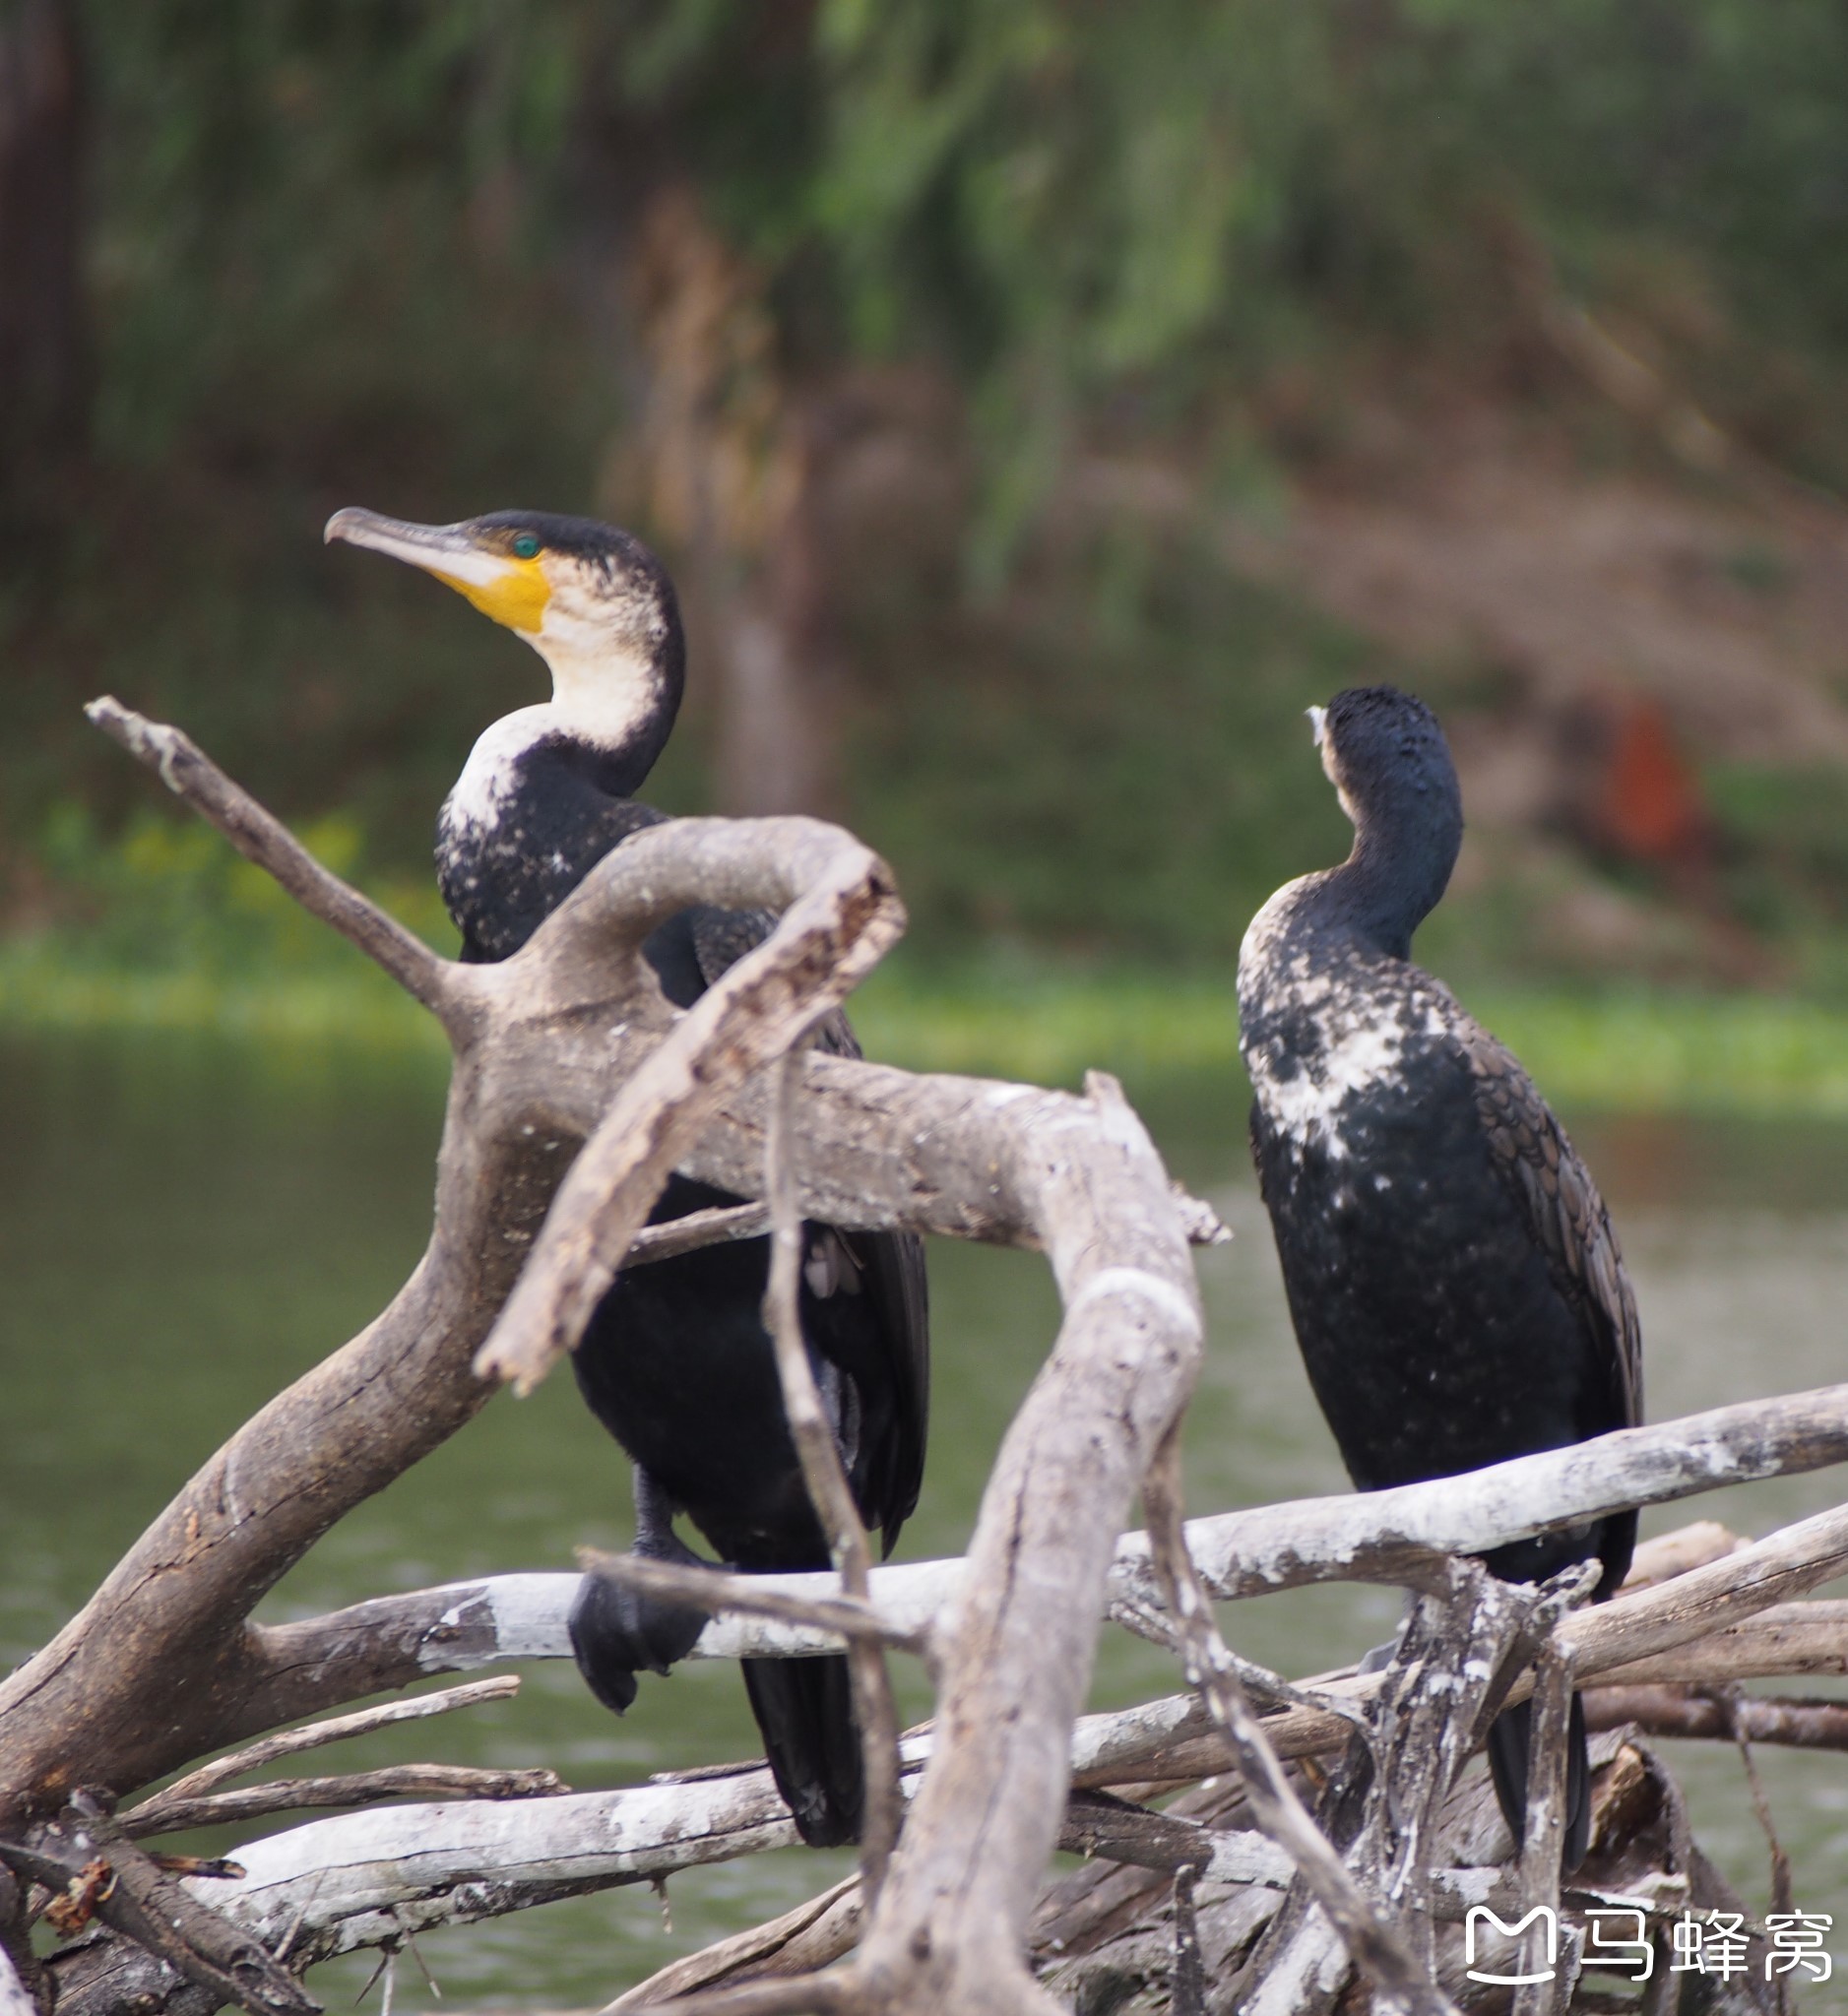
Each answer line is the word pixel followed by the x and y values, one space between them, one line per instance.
pixel 600 699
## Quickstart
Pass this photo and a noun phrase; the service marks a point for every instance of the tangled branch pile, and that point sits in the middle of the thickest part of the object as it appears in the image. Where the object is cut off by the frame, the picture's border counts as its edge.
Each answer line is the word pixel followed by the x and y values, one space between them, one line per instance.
pixel 1340 1855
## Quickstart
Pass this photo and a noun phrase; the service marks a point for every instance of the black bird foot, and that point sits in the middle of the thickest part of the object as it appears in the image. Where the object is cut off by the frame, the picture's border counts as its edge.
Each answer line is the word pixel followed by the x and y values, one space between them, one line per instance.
pixel 616 1632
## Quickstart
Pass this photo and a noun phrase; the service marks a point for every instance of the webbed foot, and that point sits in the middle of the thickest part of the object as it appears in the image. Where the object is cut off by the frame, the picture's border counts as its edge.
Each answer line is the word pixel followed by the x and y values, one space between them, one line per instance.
pixel 617 1632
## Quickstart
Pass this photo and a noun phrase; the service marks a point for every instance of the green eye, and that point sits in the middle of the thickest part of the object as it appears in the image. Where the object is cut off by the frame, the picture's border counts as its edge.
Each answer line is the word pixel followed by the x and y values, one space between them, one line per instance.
pixel 526 547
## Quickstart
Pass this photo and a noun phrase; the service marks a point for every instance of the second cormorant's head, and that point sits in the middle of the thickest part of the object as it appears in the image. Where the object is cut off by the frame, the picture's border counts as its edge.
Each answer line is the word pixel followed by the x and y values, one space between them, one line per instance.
pixel 591 600
pixel 1386 757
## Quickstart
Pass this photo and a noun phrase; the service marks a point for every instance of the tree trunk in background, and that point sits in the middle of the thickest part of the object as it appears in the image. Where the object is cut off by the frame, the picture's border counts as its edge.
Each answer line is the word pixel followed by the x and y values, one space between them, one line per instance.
pixel 45 362
pixel 726 453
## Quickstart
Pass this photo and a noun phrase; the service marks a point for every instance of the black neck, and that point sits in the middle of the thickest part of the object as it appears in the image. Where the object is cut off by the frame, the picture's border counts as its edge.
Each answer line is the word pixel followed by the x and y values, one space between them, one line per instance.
pixel 619 772
pixel 1393 879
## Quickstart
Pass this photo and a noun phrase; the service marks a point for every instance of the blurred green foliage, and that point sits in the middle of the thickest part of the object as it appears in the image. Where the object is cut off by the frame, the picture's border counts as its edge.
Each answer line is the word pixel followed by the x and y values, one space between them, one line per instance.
pixel 362 250
pixel 1070 204
pixel 169 894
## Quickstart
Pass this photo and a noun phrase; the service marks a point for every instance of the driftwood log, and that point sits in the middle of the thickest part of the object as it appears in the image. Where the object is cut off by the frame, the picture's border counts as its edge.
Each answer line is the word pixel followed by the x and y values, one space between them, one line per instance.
pixel 575 1091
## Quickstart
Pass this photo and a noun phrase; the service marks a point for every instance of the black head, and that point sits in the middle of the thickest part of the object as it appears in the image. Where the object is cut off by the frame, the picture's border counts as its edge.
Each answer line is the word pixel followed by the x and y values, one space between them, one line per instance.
pixel 1392 768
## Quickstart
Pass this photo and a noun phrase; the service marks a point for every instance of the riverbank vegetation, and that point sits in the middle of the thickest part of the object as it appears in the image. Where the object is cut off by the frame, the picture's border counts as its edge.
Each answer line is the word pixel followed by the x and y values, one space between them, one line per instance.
pixel 1075 399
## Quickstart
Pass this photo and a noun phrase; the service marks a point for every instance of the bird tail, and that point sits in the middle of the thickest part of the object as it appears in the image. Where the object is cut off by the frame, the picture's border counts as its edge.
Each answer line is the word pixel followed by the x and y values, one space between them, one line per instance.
pixel 804 1708
pixel 1510 1741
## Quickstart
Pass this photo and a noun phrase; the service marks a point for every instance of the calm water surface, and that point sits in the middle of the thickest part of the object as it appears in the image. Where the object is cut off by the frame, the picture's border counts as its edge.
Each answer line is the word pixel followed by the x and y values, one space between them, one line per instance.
pixel 184 1228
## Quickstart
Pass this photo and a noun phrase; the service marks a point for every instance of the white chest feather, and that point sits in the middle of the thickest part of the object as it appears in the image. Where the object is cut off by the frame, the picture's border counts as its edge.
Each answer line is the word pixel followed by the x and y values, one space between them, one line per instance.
pixel 601 699
pixel 492 770
pixel 1324 1035
pixel 1304 1096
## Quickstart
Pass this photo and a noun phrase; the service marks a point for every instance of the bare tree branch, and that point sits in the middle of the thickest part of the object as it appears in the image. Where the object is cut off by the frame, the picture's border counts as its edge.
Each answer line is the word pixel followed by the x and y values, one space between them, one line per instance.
pixel 369 1878
pixel 844 914
pixel 262 838
pixel 709 1966
pixel 1545 1992
pixel 831 1495
pixel 392 1640
pixel 1017 1649
pixel 132 1894
pixel 576 1090
pixel 1784 1564
pixel 167 1814
pixel 1666 1710
pixel 823 1618
pixel 718 1226
pixel 13 2000
pixel 290 1742
pixel 1373 1939
pixel 540 1041
pixel 1389 1535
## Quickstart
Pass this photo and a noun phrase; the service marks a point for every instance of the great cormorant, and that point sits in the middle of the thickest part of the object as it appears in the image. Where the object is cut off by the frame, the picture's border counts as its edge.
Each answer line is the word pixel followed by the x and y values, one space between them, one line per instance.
pixel 1454 1281
pixel 676 1363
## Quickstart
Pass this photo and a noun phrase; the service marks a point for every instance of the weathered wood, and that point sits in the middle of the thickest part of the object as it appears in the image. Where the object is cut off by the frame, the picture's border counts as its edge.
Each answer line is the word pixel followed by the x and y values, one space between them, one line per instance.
pixel 549 1045
pixel 1783 1564
pixel 260 837
pixel 165 1917
pixel 392 1640
pixel 1545 1833
pixel 339 1884
pixel 169 1815
pixel 332 1886
pixel 757 1948
pixel 1668 1710
pixel 291 1743
pixel 816 1619
pixel 570 1042
pixel 875 1713
pixel 1171 1740
pixel 840 915
pixel 1387 1535
pixel 1016 1651
pixel 13 2000
pixel 1376 1942
pixel 542 1041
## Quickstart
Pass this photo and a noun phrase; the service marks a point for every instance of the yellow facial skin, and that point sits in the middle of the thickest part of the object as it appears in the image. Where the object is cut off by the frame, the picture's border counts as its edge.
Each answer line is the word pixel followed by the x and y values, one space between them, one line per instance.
pixel 517 597
pixel 476 564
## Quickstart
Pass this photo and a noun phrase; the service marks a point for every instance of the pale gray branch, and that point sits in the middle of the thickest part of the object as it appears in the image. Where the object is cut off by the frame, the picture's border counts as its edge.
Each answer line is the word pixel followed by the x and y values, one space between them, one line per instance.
pixel 720 1224
pixel 830 1493
pixel 832 1619
pixel 1359 1536
pixel 1545 1833
pixel 1373 1939
pixel 260 837
pixel 167 1814
pixel 844 914
pixel 290 1742
pixel 13 2000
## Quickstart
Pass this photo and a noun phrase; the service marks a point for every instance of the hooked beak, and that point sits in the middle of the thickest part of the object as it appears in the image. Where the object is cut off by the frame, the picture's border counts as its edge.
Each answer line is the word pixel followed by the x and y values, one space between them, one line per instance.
pixel 513 592
pixel 1318 716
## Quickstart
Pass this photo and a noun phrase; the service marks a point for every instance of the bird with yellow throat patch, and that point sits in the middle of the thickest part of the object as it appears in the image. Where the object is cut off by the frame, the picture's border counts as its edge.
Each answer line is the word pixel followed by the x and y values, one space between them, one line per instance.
pixel 675 1361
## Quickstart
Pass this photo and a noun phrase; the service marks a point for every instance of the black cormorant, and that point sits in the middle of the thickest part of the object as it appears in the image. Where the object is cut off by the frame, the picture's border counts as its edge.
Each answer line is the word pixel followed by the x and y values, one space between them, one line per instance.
pixel 1451 1272
pixel 676 1363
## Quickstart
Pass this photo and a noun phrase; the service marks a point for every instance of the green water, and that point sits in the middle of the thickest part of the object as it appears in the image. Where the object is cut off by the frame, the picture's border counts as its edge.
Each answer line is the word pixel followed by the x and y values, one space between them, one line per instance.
pixel 185 1227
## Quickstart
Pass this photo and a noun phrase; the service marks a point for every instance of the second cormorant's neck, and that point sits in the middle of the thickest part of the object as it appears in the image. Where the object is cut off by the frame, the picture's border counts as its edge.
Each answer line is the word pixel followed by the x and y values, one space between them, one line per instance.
pixel 1390 883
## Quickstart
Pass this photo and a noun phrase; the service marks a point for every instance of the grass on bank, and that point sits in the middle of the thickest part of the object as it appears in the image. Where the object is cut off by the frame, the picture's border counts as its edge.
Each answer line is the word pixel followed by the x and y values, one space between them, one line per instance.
pixel 1618 1050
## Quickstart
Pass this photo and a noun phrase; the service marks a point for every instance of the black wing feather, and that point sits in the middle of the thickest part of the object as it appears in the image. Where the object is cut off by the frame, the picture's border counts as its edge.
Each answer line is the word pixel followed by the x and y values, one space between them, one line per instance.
pixel 891 1263
pixel 1566 1216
